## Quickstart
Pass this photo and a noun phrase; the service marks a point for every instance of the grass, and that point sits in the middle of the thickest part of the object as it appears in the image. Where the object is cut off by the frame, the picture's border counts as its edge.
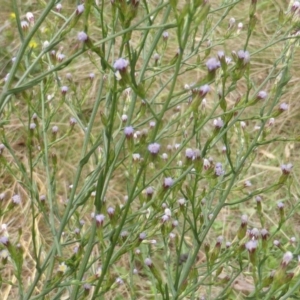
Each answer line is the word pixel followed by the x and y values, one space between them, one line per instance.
pixel 37 162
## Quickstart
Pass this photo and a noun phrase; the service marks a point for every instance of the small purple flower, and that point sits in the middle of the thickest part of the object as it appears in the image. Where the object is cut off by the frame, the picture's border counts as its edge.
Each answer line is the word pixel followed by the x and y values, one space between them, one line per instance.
pixel 219 169
pixel 64 89
pixel 295 6
pixel 24 25
pixel 149 191
pixel 244 220
pixel 121 64
pixel 142 236
pixel 189 153
pixel 203 90
pixel 264 233
pixel 280 205
pixel 110 211
pixel 154 148
pixel 218 123
pixel 148 262
pixel 287 258
pixel 4 240
pixel 58 7
pixel 244 56
pixel 99 219
pixel 212 64
pixel 165 35
pixel 79 9
pixel 262 95
pixel 128 131
pixel 168 182
pixel 283 107
pixel 60 57
pixel 251 246
pixel 82 36
pixel 16 199
pixel 286 169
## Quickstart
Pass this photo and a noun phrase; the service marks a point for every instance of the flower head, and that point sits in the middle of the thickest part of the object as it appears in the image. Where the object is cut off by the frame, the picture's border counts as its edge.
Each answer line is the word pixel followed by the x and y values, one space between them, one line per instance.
pixel 251 245
pixel 168 182
pixel 203 90
pixel 128 131
pixel 82 36
pixel 154 148
pixel 262 95
pixel 243 56
pixel 212 64
pixel 79 9
pixel 121 64
pixel 286 169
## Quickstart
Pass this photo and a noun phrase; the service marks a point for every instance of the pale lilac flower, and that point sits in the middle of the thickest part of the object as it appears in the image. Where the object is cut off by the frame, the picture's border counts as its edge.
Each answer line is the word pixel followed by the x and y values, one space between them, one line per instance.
pixel 154 148
pixel 148 262
pixel 60 57
pixel 244 220
pixel 287 258
pixel 286 169
pixel 244 56
pixel 54 129
pixel 219 169
pixel 280 205
pixel 221 55
pixel 264 233
pixel 283 107
pixel 168 182
pixel 231 23
pixel 203 90
pixel 32 126
pixel 4 240
pixel 181 202
pixel 124 234
pixel 168 212
pixel 124 118
pixel 156 56
pixel 251 246
pixel 212 64
pixel 110 211
pixel 189 153
pixel 164 156
pixel 254 233
pixel 16 199
pixel 175 223
pixel 295 6
pixel 136 157
pixel 128 131
pixel 276 243
pixel 152 124
pixel 87 287
pixel 73 121
pixel 292 240
pixel 82 36
pixel 218 123
pixel 119 281
pixel 142 236
pixel 165 218
pixel 228 244
pixel 121 64
pixel 165 35
pixel 79 9
pixel 262 95
pixel 206 164
pixel 271 122
pixel 30 17
pixel 69 76
pixel 24 25
pixel 247 184
pixel 149 191
pixel 58 7
pixel 219 241
pixel 100 219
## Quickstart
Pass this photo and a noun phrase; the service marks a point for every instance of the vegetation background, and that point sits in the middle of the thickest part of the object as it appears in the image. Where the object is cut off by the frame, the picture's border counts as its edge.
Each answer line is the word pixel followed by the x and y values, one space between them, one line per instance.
pixel 42 163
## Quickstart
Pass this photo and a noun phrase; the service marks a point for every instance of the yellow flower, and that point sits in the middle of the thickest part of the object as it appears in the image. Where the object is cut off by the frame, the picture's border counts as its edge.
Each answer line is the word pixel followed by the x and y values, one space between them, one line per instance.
pixel 12 15
pixel 33 44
